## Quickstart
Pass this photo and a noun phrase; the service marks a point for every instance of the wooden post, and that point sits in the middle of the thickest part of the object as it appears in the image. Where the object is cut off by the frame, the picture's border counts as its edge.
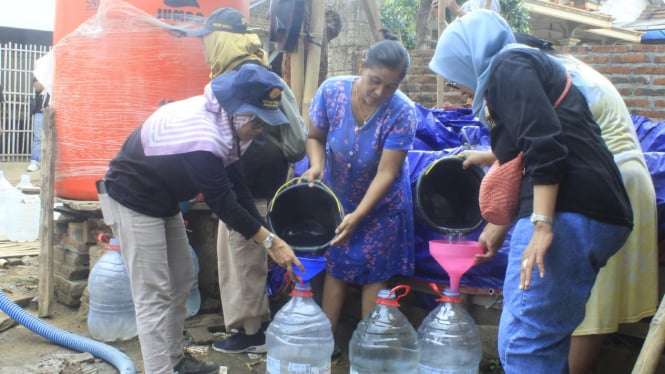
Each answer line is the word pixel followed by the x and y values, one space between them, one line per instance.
pixel 317 26
pixel 441 22
pixel 373 18
pixel 46 281
pixel 653 345
pixel 297 63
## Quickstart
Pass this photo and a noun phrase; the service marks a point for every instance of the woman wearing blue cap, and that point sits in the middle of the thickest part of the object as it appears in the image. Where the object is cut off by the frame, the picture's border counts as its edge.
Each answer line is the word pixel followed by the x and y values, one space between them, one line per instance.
pixel 184 148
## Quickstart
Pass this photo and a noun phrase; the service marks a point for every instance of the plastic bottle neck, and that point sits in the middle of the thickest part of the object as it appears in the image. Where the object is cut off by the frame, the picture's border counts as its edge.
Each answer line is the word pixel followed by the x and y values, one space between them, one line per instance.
pixel 302 290
pixel 449 296
pixel 114 244
pixel 390 297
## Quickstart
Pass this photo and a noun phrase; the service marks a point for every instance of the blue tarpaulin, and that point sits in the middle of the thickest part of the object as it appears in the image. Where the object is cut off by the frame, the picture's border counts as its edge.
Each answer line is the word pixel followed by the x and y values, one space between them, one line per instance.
pixel 443 133
pixel 654 37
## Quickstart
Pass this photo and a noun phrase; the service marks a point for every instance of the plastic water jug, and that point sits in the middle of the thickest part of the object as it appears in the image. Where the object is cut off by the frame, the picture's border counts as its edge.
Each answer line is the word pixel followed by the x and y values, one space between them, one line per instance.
pixel 22 213
pixel 194 298
pixel 7 193
pixel 299 339
pixel 111 316
pixel 385 341
pixel 449 338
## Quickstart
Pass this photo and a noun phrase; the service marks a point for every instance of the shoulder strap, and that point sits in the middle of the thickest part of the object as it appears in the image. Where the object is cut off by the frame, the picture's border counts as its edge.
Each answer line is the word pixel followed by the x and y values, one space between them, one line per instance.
pixel 569 80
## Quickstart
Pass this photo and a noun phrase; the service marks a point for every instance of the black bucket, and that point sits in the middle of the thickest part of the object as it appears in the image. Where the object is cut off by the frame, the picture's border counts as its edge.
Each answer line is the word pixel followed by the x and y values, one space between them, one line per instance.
pixel 446 196
pixel 305 217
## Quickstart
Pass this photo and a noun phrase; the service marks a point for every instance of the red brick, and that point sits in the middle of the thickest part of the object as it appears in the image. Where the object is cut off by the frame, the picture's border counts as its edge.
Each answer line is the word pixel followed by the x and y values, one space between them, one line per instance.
pixel 651 69
pixel 636 103
pixel 648 48
pixel 629 58
pixel 610 49
pixel 614 69
pixel 596 59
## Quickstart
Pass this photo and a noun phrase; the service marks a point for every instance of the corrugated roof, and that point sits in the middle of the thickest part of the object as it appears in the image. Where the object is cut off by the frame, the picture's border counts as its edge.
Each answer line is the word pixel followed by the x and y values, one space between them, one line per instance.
pixel 652 18
pixel 594 22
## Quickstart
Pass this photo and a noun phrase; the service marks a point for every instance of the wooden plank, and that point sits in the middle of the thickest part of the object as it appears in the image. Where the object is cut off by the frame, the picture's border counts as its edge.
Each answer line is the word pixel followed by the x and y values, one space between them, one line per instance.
pixel 18 249
pixel 8 253
pixel 46 227
pixel 7 322
pixel 82 205
pixel 442 24
pixel 6 244
pixel 316 28
pixel 373 20
pixel 653 346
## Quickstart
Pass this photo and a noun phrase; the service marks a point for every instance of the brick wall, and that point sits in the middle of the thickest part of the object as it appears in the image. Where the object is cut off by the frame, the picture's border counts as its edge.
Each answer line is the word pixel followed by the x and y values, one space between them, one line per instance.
pixel 638 72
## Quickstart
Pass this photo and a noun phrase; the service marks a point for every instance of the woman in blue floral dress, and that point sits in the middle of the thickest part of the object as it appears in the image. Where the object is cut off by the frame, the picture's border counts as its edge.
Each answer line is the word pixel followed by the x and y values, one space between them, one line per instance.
pixel 361 129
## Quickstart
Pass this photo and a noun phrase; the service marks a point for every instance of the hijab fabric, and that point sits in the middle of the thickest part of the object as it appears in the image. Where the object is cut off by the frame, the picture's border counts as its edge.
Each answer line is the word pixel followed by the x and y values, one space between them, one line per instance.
pixel 466 49
pixel 226 50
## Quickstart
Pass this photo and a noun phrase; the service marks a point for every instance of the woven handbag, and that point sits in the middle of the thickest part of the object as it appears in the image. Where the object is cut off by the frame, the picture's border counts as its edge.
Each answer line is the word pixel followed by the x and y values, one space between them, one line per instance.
pixel 499 195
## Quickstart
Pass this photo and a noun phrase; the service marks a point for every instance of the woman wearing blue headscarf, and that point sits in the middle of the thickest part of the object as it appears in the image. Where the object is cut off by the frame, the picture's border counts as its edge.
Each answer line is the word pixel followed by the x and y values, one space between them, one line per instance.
pixel 574 210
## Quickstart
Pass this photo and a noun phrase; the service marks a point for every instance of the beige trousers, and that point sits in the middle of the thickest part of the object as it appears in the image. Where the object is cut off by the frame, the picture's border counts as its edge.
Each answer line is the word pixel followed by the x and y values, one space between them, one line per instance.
pixel 161 273
pixel 243 270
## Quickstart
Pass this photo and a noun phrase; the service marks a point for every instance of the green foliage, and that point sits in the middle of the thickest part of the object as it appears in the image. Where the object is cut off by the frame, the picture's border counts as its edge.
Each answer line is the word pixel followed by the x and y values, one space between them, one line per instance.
pixel 399 16
pixel 514 11
pixel 516 14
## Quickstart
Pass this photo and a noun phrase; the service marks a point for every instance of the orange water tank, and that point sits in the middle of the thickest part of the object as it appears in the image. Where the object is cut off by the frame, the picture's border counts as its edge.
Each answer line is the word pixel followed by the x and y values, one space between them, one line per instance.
pixel 69 14
pixel 114 66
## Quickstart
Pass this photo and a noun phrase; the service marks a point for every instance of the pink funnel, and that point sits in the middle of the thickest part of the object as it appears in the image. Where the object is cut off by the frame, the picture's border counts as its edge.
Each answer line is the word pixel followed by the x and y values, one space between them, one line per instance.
pixel 313 266
pixel 455 257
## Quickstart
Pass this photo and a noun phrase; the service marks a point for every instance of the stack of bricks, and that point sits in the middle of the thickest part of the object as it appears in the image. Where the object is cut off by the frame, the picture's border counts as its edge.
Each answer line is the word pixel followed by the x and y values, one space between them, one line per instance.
pixel 74 253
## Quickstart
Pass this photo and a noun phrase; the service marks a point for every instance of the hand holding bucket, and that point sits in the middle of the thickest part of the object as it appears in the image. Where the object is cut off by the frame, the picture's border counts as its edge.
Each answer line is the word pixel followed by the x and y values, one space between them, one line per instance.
pixel 305 216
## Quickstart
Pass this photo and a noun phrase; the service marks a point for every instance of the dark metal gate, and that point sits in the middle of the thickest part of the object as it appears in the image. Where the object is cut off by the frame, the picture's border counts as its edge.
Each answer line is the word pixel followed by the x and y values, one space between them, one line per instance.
pixel 16 66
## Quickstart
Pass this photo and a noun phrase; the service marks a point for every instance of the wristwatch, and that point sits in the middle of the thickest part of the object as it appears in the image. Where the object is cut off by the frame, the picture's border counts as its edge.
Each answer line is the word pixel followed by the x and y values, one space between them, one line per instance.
pixel 539 217
pixel 267 242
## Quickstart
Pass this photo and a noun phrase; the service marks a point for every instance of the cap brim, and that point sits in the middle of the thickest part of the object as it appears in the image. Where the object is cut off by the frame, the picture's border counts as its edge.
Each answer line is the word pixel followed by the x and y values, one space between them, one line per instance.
pixel 197 33
pixel 271 117
pixel 193 33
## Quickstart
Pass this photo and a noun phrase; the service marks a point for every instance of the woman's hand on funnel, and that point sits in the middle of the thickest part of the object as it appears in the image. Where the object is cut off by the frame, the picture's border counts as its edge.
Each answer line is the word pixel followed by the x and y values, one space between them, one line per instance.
pixel 283 255
pixel 490 240
pixel 346 228
pixel 479 158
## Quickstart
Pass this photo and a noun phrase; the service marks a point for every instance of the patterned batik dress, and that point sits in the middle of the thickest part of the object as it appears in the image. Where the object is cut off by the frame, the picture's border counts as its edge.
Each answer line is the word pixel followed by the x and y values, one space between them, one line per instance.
pixel 383 243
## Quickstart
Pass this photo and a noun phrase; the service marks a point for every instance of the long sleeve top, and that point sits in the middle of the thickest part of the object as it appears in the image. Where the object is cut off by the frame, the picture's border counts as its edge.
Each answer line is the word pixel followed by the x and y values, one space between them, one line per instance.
pixel 561 146
pixel 184 148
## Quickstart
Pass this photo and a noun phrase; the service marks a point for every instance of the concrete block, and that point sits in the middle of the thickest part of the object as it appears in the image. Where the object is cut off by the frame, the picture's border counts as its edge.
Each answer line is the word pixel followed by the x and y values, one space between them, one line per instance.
pixel 68 292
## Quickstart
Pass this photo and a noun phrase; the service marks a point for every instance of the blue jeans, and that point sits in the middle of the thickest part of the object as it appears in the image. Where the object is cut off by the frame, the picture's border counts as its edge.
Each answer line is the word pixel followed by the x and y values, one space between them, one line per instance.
pixel 36 154
pixel 536 325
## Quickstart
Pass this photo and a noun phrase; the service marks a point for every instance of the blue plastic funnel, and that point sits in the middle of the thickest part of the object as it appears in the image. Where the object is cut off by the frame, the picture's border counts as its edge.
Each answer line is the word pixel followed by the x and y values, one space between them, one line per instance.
pixel 313 266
